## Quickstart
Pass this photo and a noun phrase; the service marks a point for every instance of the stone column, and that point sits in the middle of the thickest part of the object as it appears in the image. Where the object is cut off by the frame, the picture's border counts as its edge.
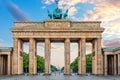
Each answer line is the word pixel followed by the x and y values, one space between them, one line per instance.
pixel 67 56
pixel 20 57
pixel 8 65
pixel 79 57
pixel 94 57
pixel 118 64
pixel 32 57
pixel 115 65
pixel 47 56
pixel 112 64
pixel 2 65
pixel 17 60
pixel 105 65
pixel 99 58
pixel 82 57
pixel 15 57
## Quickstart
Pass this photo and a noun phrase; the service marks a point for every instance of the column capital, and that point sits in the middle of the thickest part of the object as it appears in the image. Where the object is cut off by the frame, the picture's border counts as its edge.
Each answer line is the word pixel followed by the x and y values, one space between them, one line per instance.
pixel 67 38
pixel 32 38
pixel 99 38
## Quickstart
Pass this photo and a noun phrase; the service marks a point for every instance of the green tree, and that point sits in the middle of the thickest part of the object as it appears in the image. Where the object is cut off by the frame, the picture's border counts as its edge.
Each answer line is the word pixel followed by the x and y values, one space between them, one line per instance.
pixel 53 68
pixel 40 64
pixel 89 63
pixel 25 61
pixel 74 64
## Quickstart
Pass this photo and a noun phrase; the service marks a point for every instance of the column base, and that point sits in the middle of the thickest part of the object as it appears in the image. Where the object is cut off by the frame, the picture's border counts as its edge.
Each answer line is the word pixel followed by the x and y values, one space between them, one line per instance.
pixel 67 74
pixel 15 74
pixel 32 74
pixel 99 74
pixel 81 74
pixel 47 74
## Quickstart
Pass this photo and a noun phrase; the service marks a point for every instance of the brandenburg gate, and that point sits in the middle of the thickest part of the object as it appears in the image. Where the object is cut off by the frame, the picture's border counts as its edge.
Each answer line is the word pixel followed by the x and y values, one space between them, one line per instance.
pixel 57 30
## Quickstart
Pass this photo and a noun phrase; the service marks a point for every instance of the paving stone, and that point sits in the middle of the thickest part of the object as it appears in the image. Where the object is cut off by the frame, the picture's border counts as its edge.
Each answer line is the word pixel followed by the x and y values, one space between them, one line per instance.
pixel 59 77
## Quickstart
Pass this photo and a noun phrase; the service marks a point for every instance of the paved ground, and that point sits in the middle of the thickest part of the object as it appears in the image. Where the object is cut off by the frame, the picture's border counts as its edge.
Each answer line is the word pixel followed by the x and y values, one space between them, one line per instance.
pixel 59 77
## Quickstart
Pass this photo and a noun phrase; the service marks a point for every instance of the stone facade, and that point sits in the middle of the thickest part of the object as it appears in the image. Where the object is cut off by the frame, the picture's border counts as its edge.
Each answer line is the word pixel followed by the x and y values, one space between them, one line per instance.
pixel 111 61
pixel 106 61
pixel 58 31
pixel 5 61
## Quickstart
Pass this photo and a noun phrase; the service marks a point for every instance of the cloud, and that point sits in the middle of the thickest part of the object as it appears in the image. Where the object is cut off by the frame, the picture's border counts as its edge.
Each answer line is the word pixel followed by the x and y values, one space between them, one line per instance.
pixel 112 43
pixel 43 7
pixel 108 12
pixel 114 2
pixel 67 4
pixel 15 11
pixel 48 1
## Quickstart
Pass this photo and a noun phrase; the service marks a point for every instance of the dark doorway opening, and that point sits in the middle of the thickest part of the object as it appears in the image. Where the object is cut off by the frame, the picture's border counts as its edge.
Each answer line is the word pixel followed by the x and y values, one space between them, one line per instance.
pixel 4 64
pixel 110 63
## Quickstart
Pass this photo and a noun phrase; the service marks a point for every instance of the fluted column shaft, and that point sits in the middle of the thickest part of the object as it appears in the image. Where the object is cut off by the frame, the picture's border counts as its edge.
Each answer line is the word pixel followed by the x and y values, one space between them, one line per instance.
pixel 67 56
pixel 8 65
pixel 118 64
pixel 82 56
pixel 47 56
pixel 17 61
pixel 105 64
pixel 32 57
pixel 115 68
pixel 99 57
pixel 15 57
pixel 97 63
pixel 20 57
pixel 94 57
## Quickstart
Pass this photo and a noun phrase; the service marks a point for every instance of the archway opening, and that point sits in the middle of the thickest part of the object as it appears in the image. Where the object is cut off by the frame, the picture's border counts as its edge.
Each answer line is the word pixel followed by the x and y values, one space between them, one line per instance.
pixel 110 64
pixel 40 57
pixel 74 58
pixel 88 58
pixel 26 57
pixel 3 64
pixel 57 58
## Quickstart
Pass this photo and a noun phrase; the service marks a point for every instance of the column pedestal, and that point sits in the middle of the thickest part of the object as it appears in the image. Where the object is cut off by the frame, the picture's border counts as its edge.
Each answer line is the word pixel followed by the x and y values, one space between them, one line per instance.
pixel 67 57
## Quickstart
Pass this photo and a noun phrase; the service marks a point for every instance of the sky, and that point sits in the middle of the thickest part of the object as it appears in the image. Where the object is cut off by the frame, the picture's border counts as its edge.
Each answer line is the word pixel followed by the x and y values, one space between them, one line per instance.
pixel 107 11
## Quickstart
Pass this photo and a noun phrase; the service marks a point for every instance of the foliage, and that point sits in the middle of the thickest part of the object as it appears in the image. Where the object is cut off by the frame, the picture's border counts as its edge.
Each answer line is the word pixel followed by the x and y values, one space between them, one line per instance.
pixel 40 63
pixel 89 63
pixel 53 68
pixel 25 60
pixel 74 64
